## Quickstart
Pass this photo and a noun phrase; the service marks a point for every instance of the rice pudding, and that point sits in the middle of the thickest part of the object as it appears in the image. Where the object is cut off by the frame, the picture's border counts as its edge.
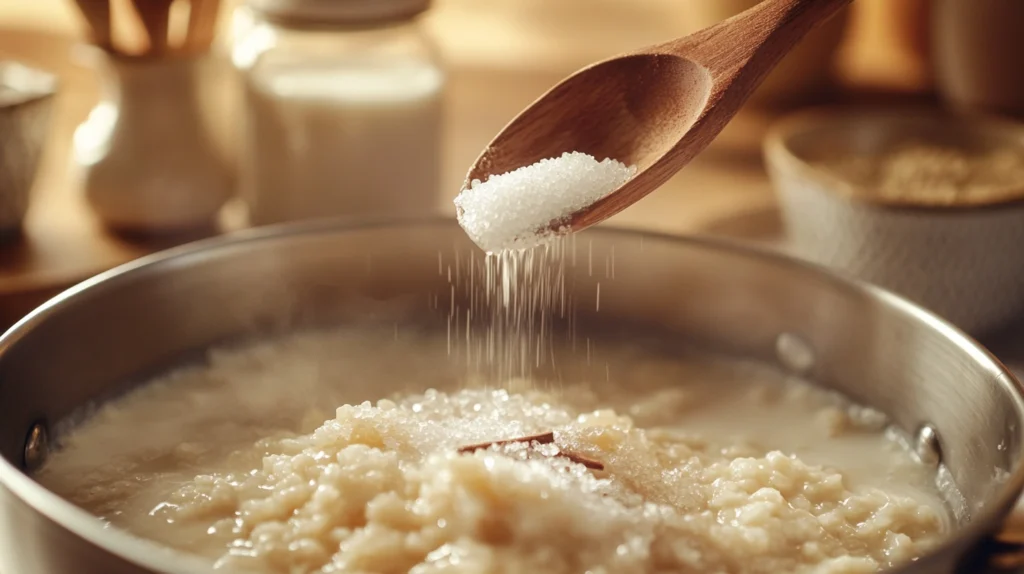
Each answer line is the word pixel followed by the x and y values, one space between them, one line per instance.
pixel 644 461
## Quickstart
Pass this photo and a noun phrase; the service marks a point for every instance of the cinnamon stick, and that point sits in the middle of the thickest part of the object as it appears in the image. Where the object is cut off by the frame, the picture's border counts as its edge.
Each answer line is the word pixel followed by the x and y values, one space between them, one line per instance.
pixel 543 438
pixel 578 459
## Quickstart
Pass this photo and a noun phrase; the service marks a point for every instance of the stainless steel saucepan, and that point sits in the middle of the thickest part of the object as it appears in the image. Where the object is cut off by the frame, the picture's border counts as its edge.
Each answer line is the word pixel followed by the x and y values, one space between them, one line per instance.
pixel 962 407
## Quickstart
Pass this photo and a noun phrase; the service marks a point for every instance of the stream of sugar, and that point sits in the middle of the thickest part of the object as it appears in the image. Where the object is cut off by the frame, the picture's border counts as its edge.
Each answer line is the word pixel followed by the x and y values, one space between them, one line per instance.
pixel 518 292
pixel 507 309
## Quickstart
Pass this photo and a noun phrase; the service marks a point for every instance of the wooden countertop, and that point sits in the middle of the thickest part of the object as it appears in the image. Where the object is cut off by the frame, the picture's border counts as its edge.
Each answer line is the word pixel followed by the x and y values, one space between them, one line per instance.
pixel 501 54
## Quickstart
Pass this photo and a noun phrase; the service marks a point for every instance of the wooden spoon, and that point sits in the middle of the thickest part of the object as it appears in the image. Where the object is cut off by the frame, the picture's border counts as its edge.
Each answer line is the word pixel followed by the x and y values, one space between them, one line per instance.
pixel 656 108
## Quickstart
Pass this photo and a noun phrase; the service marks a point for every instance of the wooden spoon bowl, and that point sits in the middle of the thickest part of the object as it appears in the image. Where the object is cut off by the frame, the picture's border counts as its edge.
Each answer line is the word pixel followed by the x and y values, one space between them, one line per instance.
pixel 656 108
pixel 591 113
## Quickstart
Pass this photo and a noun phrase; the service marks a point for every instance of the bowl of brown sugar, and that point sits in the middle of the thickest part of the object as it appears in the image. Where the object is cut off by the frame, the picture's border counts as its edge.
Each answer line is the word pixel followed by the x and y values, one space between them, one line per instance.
pixel 923 202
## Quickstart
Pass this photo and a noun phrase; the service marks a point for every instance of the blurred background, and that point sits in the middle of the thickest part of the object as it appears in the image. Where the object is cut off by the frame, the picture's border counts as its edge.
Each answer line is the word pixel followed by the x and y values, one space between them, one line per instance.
pixel 140 124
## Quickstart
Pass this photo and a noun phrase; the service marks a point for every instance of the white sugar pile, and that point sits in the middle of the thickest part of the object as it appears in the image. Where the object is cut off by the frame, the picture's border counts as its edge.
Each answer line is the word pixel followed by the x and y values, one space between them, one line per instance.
pixel 515 210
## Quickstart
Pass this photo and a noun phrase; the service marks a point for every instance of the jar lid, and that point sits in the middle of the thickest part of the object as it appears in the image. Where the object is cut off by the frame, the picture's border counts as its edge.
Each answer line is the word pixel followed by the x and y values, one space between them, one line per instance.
pixel 340 11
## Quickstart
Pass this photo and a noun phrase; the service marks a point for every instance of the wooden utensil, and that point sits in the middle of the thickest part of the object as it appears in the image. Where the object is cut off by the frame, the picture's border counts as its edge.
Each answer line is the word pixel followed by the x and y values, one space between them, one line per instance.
pixel 202 25
pixel 97 15
pixel 155 16
pixel 191 38
pixel 656 108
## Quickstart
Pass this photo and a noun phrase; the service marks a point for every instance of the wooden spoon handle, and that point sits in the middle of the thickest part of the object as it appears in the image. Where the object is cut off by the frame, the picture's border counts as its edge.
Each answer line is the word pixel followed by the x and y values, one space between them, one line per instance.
pixel 754 40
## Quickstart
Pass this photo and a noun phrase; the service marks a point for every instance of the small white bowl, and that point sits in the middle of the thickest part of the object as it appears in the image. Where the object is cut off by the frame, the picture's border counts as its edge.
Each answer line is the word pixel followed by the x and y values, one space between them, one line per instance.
pixel 26 101
pixel 965 262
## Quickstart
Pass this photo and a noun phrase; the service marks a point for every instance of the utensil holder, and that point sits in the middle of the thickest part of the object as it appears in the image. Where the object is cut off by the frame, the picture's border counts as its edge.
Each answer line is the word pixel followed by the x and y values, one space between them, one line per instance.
pixel 149 163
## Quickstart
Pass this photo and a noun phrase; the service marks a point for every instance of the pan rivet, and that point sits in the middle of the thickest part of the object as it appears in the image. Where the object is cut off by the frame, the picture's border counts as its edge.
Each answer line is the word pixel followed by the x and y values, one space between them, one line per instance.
pixel 37 447
pixel 794 353
pixel 927 446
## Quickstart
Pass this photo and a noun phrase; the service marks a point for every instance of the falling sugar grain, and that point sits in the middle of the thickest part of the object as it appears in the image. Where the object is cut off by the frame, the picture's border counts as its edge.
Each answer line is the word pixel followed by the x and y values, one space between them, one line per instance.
pixel 507 308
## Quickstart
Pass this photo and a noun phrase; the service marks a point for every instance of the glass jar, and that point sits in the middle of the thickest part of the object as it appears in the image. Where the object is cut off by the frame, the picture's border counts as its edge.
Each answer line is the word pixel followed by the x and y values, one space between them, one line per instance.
pixel 343 106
